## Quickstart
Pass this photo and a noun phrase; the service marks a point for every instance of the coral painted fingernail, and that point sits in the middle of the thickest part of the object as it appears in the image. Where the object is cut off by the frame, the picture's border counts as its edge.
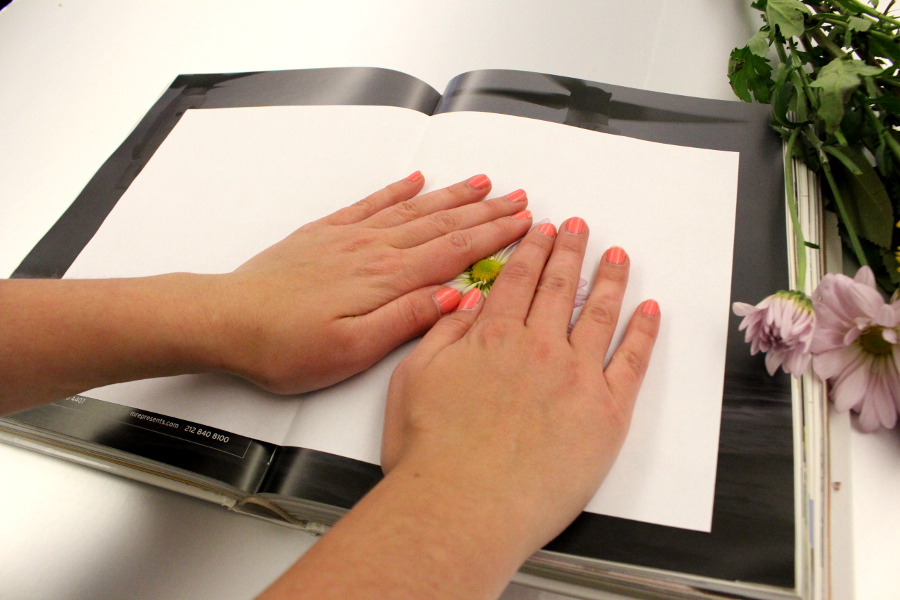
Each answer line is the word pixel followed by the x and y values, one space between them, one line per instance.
pixel 615 256
pixel 479 182
pixel 547 229
pixel 575 225
pixel 470 300
pixel 516 196
pixel 415 176
pixel 447 298
pixel 650 308
pixel 522 215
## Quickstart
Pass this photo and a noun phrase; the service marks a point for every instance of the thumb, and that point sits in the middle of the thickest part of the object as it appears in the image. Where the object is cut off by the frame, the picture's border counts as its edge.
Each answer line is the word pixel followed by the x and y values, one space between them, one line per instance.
pixel 406 317
pixel 451 328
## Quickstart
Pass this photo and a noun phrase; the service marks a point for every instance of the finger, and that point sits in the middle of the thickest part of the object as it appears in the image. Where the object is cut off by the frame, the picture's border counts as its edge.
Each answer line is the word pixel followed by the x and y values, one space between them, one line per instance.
pixel 628 365
pixel 443 222
pixel 554 300
pixel 594 329
pixel 447 256
pixel 399 191
pixel 451 328
pixel 406 317
pixel 513 291
pixel 458 194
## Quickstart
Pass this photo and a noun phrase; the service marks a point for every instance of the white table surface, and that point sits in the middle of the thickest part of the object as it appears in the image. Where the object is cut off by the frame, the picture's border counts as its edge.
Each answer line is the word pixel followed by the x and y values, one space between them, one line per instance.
pixel 77 75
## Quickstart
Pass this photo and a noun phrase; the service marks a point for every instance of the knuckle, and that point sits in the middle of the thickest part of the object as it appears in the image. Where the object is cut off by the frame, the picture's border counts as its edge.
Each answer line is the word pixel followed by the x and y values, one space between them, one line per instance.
pixel 490 332
pixel 367 205
pixel 409 209
pixel 599 313
pixel 460 241
pixel 555 284
pixel 633 362
pixel 445 221
pixel 413 315
pixel 517 271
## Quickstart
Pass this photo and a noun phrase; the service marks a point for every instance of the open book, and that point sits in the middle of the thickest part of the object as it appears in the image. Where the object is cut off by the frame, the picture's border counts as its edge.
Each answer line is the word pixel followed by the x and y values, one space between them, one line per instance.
pixel 703 494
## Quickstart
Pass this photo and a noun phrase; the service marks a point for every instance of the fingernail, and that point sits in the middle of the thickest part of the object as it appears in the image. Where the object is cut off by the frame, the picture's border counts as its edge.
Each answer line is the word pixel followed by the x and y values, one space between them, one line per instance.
pixel 447 298
pixel 575 225
pixel 479 182
pixel 615 256
pixel 547 229
pixel 516 196
pixel 522 215
pixel 650 308
pixel 415 176
pixel 470 300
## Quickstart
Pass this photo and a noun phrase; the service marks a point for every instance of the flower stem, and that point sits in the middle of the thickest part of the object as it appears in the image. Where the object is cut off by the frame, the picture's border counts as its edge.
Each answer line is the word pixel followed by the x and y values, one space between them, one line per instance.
pixel 845 219
pixel 863 8
pixel 826 43
pixel 883 131
pixel 795 216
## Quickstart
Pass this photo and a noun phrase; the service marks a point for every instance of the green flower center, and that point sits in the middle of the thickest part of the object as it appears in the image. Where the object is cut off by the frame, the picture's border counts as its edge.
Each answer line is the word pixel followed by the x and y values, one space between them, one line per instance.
pixel 873 341
pixel 486 270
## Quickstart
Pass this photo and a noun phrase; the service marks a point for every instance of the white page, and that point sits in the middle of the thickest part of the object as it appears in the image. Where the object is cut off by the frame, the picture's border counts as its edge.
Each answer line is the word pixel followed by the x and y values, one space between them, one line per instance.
pixel 226 184
pixel 666 472
pixel 673 210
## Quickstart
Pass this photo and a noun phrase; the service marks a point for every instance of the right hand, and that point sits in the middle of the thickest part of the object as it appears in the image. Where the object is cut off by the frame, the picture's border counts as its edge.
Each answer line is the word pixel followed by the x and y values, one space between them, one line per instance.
pixel 500 404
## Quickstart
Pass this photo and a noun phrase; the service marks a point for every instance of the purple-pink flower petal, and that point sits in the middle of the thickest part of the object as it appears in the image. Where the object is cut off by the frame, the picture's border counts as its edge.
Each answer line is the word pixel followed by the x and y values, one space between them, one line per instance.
pixel 855 347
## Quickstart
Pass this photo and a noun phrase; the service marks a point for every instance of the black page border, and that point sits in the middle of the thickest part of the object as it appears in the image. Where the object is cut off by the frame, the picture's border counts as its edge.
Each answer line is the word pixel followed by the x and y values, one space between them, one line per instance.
pixel 752 537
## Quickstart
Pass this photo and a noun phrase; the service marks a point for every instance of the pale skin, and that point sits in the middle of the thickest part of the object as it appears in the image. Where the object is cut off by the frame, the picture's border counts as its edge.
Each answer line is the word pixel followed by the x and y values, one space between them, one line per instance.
pixel 499 427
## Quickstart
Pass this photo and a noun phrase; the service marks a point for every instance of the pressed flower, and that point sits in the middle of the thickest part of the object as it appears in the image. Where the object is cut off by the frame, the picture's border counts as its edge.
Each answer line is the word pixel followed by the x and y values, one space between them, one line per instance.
pixel 482 274
pixel 782 326
pixel 856 348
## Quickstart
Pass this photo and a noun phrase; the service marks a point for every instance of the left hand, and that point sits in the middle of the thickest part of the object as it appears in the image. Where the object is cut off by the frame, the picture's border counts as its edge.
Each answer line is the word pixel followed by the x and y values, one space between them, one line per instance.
pixel 338 294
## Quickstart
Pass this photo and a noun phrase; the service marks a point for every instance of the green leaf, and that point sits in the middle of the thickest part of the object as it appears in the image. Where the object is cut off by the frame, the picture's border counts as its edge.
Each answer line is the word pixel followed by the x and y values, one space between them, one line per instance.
pixel 865 197
pixel 845 160
pixel 835 82
pixel 889 258
pixel 759 43
pixel 884 48
pixel 781 101
pixel 750 74
pixel 787 15
pixel 813 246
pixel 889 103
pixel 858 24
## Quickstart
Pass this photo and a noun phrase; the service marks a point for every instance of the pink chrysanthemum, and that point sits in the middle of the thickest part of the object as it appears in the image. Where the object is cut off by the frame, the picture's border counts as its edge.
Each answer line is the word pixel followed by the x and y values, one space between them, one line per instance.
pixel 782 326
pixel 856 348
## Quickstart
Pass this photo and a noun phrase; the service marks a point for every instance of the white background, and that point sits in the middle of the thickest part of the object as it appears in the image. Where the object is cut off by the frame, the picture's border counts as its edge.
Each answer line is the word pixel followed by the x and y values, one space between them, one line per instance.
pixel 77 75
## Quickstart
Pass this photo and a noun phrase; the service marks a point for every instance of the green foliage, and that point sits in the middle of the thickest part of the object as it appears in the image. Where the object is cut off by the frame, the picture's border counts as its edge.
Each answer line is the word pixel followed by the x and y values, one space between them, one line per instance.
pixel 787 15
pixel 834 83
pixel 866 198
pixel 835 93
pixel 750 73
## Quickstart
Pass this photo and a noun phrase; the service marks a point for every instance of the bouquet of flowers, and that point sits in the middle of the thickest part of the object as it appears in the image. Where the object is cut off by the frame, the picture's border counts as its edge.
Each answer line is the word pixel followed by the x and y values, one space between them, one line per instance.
pixel 835 96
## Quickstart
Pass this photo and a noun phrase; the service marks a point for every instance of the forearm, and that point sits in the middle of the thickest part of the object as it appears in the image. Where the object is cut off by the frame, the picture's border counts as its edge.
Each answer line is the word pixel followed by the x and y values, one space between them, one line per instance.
pixel 416 535
pixel 63 337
